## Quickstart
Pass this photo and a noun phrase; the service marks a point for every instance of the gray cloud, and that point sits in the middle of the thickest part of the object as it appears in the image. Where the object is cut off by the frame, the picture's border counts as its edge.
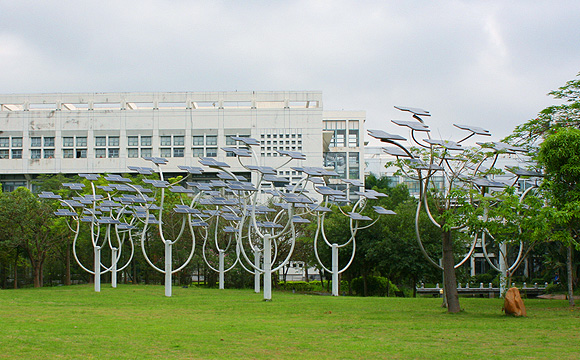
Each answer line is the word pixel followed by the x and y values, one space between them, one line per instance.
pixel 486 63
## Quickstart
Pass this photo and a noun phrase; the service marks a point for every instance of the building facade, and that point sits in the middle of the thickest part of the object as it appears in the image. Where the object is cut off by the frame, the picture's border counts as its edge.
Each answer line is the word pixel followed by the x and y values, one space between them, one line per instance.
pixel 107 132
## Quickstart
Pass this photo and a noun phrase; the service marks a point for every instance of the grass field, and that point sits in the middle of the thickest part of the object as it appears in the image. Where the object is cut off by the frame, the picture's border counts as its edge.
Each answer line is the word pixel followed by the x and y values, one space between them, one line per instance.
pixel 138 322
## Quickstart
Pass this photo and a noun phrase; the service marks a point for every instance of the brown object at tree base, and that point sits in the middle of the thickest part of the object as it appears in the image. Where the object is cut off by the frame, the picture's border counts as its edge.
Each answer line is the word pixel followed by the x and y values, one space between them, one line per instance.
pixel 513 303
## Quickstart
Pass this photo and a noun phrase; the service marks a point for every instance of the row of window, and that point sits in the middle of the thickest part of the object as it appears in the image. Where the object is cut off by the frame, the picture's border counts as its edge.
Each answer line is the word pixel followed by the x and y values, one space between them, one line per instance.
pixel 108 153
pixel 143 140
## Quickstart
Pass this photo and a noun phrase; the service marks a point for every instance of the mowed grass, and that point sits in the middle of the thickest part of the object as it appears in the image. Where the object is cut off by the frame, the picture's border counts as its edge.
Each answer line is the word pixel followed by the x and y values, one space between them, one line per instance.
pixel 139 322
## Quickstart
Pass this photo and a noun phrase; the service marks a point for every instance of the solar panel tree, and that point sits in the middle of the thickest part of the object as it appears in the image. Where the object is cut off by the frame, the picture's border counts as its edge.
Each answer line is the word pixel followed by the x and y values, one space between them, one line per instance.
pixel 467 172
pixel 333 198
pixel 153 211
pixel 509 217
pixel 106 210
pixel 266 210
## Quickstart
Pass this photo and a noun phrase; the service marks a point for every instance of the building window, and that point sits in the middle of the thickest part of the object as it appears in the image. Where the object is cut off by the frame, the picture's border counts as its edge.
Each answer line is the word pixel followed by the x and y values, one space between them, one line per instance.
pixel 197 152
pixel 178 152
pixel 145 140
pixel 68 141
pixel 17 142
pixel 81 153
pixel 48 153
pixel 113 153
pixel 113 141
pixel 100 153
pixel 165 152
pixel 146 152
pixel 4 142
pixel 35 154
pixel 17 153
pixel 353 165
pixel 68 153
pixel 179 140
pixel 4 154
pixel 211 140
pixel 81 141
pixel 336 160
pixel 211 152
pixel 198 140
pixel 133 140
pixel 35 141
pixel 49 141
pixel 133 153
pixel 100 141
pixel 230 141
pixel 165 141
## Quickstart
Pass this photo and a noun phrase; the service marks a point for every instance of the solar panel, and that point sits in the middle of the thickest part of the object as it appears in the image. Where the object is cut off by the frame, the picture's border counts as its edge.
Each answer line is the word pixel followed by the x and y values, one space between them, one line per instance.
pixel 293 154
pixel 299 220
pixel 49 195
pixel 357 216
pixel 276 179
pixel 382 211
pixel 474 129
pixel 353 182
pixel 246 140
pixel 482 182
pixel 157 183
pixel 262 169
pixel 238 152
pixel 180 189
pixel 156 160
pixel 117 178
pixel 141 170
pixel 414 111
pixel 65 212
pixel 385 136
pixel 325 190
pixel 395 151
pixel 413 125
pixel 191 169
pixel 523 172
pixel 74 186
pixel 447 144
pixel 213 163
pixel 91 177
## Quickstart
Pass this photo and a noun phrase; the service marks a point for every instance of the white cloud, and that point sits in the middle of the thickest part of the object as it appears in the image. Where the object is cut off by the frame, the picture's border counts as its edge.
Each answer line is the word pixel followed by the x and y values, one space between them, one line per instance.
pixel 485 63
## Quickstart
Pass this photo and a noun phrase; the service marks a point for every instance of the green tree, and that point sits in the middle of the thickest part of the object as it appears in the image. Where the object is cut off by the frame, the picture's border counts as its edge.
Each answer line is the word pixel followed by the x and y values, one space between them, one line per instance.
pixel 27 222
pixel 552 118
pixel 560 156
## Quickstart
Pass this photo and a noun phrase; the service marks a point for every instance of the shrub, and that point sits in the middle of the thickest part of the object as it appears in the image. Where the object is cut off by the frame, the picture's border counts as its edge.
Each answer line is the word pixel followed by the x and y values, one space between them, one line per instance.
pixel 376 286
pixel 301 286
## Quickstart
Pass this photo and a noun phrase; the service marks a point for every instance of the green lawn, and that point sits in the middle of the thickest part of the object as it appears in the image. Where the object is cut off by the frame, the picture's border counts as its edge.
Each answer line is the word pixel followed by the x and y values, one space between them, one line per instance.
pixel 138 322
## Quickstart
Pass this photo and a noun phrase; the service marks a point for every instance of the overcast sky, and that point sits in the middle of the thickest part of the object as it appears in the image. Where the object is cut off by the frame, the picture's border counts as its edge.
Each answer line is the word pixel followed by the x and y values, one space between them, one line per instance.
pixel 485 63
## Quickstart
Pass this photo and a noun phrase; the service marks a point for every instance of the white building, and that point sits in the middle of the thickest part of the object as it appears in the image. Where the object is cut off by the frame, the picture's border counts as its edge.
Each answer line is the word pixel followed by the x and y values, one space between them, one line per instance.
pixel 106 132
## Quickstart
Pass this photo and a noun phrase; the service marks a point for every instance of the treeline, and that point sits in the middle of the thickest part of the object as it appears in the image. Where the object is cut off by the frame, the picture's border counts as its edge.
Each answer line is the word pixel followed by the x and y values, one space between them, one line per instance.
pixel 36 247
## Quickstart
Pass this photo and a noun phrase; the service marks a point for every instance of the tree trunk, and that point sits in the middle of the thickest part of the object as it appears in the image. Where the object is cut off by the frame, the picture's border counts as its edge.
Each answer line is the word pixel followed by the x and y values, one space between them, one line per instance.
pixel 67 278
pixel 365 285
pixel 16 269
pixel 37 274
pixel 450 281
pixel 570 274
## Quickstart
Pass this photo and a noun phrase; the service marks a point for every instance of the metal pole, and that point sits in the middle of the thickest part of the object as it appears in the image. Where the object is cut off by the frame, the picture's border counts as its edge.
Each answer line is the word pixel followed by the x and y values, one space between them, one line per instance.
pixel 97 268
pixel 221 269
pixel 256 272
pixel 168 245
pixel 502 269
pixel 267 268
pixel 334 269
pixel 114 268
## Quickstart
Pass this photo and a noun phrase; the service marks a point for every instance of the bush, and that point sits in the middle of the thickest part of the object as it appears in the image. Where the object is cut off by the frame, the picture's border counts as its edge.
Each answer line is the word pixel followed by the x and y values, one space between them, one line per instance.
pixel 376 286
pixel 301 286
pixel 555 288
